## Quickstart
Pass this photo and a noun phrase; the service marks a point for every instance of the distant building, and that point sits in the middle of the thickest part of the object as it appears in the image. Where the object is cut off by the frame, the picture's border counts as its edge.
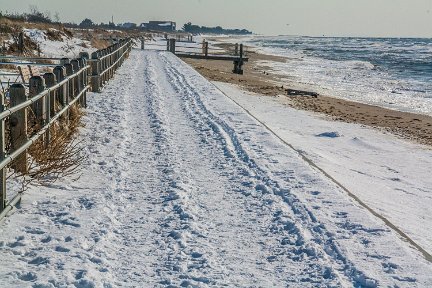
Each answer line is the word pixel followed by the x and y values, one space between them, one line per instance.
pixel 128 25
pixel 165 26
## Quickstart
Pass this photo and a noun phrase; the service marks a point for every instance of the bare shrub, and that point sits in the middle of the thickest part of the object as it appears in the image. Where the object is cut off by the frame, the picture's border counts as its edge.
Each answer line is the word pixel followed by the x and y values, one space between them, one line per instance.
pixel 60 158
pixel 54 35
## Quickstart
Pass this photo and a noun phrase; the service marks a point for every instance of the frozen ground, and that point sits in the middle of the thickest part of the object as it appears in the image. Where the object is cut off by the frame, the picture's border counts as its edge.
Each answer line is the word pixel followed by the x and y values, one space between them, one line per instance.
pixel 182 188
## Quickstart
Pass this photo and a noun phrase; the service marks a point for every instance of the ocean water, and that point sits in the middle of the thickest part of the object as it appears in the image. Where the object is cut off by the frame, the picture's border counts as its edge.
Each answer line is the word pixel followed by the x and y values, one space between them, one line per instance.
pixel 391 72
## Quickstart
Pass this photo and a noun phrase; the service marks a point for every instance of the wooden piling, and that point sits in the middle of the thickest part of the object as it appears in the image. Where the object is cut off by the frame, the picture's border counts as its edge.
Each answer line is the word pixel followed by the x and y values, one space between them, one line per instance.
pixel 36 86
pixel 172 45
pixel 18 127
pixel 238 63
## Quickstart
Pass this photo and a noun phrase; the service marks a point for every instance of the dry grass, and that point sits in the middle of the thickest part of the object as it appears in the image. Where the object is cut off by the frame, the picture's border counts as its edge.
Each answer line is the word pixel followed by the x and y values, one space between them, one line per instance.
pixel 60 158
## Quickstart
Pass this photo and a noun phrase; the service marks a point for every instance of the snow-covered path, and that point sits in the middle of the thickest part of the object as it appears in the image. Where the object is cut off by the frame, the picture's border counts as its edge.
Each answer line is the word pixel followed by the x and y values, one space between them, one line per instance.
pixel 183 189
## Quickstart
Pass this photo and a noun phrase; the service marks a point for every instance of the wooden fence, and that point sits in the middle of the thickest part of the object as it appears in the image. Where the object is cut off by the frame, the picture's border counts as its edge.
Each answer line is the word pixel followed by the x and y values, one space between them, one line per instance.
pixel 50 97
pixel 203 51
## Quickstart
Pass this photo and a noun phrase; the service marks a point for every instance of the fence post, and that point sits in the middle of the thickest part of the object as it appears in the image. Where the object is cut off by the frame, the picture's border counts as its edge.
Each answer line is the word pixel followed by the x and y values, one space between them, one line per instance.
pixel 84 55
pixel 3 194
pixel 142 43
pixel 18 127
pixel 21 43
pixel 77 80
pixel 64 61
pixel 37 85
pixel 206 49
pixel 84 83
pixel 95 72
pixel 60 73
pixel 50 80
pixel 70 94
pixel 168 45
pixel 173 41
pixel 238 63
pixel 236 49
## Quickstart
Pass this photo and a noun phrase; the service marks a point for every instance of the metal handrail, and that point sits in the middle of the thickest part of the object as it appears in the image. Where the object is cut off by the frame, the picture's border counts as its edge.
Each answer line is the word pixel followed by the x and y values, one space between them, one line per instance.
pixel 9 158
pixel 121 57
pixel 27 103
pixel 105 56
pixel 30 58
pixel 29 63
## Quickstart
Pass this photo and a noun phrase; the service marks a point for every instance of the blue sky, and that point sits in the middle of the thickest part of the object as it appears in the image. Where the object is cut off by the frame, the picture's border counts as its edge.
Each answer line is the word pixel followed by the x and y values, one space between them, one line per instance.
pixel 394 18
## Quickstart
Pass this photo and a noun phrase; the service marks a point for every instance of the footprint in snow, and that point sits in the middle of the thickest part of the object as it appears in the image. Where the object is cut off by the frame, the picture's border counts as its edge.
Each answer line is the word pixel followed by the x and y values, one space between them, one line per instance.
pixel 39 261
pixel 27 277
pixel 62 249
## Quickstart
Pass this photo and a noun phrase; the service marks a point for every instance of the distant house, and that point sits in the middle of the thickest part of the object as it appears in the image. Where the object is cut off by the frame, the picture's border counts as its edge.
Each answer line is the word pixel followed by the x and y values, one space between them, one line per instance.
pixel 165 26
pixel 128 25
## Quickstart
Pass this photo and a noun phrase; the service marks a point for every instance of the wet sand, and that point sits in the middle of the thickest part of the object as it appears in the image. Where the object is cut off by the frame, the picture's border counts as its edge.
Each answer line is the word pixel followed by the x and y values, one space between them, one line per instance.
pixel 262 79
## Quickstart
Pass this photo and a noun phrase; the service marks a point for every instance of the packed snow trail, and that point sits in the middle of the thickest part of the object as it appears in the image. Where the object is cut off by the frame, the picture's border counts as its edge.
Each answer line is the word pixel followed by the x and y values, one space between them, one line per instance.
pixel 183 189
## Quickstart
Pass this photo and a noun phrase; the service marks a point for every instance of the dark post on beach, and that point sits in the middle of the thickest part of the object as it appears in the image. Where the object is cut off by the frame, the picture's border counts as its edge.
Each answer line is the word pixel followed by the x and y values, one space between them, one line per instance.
pixel 206 49
pixel 21 43
pixel 238 63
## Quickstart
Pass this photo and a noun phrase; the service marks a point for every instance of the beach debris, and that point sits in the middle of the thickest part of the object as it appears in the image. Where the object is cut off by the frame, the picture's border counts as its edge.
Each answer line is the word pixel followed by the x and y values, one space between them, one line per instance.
pixel 294 92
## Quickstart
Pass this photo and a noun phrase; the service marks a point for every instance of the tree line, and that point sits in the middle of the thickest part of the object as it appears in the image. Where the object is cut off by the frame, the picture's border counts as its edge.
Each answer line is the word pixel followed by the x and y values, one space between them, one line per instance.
pixel 196 29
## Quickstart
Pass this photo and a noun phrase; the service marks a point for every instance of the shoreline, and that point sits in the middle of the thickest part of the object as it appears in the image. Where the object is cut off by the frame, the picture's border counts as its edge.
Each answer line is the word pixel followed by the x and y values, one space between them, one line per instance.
pixel 262 79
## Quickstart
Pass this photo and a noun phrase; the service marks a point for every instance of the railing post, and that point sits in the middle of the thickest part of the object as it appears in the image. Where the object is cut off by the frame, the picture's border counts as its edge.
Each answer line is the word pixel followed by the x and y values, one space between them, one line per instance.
pixel 64 61
pixel 71 90
pixel 84 55
pixel 168 45
pixel 206 49
pixel 60 73
pixel 18 127
pixel 142 43
pixel 77 80
pixel 3 194
pixel 84 83
pixel 37 85
pixel 50 80
pixel 95 72
pixel 236 49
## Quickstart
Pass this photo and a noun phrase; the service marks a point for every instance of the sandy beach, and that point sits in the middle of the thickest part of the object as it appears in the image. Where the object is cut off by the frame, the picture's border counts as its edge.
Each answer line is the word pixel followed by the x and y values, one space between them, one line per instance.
pixel 261 79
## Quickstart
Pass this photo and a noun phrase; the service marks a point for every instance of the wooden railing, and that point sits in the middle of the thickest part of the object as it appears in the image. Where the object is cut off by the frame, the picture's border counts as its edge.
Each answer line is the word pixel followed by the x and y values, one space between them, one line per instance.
pixel 49 97
pixel 202 51
pixel 105 62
